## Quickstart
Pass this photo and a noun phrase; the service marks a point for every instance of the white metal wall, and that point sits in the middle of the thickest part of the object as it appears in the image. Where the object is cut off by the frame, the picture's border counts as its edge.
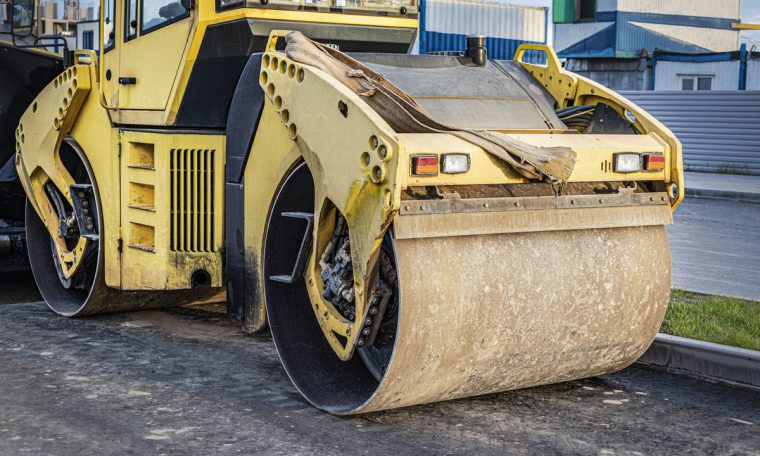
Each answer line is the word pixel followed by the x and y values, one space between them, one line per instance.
pixel 492 19
pixel 725 9
pixel 753 74
pixel 719 130
pixel 606 5
pixel 699 30
pixel 725 74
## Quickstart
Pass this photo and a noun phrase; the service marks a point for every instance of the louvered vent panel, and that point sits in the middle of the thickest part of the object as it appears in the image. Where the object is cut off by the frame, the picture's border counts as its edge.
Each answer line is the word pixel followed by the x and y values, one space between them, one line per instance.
pixel 192 200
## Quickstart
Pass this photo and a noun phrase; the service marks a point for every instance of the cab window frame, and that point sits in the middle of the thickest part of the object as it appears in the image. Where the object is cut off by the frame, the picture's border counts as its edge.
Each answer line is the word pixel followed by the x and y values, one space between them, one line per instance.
pixel 237 4
pixel 127 15
pixel 112 45
pixel 145 31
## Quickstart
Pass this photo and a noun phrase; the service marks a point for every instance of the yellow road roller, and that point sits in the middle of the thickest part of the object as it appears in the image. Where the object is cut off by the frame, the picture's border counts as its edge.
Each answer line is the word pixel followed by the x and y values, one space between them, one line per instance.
pixel 411 228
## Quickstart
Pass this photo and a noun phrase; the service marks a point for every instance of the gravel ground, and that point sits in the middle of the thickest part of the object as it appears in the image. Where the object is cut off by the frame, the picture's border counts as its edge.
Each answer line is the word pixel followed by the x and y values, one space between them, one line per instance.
pixel 186 381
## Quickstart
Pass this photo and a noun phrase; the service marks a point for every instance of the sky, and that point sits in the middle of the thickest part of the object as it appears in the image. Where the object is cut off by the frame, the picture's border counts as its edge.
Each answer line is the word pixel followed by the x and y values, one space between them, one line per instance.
pixel 750 15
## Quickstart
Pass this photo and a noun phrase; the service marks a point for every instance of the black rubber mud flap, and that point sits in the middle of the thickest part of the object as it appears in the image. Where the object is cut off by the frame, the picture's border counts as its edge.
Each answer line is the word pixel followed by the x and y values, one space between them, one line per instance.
pixel 606 121
pixel 242 122
pixel 223 54
pixel 23 75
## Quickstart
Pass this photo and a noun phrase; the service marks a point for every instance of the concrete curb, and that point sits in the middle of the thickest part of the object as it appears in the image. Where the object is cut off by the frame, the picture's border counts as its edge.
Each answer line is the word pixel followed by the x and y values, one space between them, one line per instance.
pixel 705 359
pixel 721 194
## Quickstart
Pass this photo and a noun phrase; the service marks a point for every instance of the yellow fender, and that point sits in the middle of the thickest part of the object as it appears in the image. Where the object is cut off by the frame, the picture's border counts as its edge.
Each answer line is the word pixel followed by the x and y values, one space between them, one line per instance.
pixel 574 90
pixel 354 171
pixel 41 131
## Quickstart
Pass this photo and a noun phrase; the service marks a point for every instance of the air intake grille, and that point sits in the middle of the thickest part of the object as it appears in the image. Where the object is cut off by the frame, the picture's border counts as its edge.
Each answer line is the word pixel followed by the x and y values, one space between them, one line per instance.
pixel 192 200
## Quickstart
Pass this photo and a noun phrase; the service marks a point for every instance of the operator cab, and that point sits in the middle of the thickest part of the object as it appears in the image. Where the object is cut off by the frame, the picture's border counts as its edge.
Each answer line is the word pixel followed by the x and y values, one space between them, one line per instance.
pixel 166 61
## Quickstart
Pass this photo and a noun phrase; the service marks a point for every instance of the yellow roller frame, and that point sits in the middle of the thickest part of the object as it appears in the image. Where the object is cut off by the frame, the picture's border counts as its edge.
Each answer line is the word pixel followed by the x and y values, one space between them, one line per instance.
pixel 348 172
pixel 58 106
pixel 570 89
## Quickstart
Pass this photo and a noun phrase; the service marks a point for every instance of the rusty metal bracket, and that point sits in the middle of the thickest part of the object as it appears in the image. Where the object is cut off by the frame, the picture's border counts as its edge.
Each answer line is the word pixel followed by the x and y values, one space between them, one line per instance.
pixel 459 205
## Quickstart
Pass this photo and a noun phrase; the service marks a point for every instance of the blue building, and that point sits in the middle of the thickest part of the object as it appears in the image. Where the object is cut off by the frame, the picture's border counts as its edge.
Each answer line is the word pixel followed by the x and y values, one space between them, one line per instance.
pixel 613 41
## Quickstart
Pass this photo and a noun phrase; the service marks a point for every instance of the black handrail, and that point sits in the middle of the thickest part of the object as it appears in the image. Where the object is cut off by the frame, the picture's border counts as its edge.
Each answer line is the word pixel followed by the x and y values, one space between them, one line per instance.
pixel 55 41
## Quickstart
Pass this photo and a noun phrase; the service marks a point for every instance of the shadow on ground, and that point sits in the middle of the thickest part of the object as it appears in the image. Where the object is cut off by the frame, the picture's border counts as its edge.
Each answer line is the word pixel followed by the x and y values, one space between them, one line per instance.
pixel 18 287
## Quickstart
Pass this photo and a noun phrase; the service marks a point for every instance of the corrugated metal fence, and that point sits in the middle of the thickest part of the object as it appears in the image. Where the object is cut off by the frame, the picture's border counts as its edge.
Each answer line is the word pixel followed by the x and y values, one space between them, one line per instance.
pixel 720 130
pixel 444 24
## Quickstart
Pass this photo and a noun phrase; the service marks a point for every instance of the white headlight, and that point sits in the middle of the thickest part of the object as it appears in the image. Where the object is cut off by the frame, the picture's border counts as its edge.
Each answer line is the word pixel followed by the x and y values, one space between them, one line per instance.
pixel 627 162
pixel 455 163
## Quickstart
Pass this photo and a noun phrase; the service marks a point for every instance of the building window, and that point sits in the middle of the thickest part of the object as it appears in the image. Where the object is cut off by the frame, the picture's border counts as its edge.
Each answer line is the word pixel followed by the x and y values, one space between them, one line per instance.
pixel 585 10
pixel 88 41
pixel 696 82
pixel 569 11
pixel 704 83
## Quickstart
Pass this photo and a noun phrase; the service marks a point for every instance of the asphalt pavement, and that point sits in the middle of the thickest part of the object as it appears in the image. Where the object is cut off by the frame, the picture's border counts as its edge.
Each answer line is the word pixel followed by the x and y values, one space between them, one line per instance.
pixel 186 381
pixel 715 246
